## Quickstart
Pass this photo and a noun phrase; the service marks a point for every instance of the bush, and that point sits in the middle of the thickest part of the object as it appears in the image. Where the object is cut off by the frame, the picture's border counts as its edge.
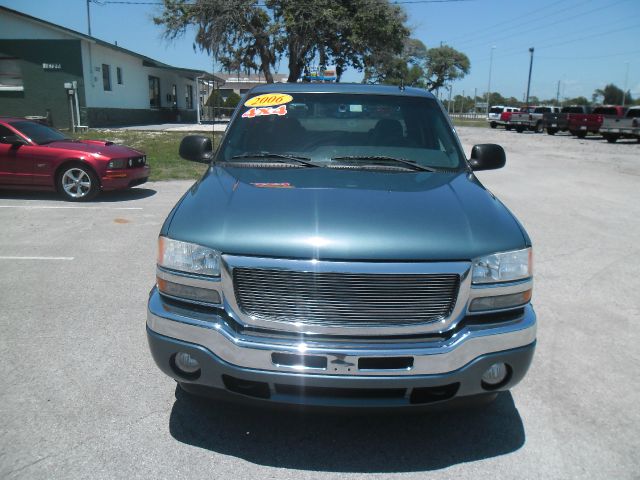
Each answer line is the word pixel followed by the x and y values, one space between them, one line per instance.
pixel 232 100
pixel 215 99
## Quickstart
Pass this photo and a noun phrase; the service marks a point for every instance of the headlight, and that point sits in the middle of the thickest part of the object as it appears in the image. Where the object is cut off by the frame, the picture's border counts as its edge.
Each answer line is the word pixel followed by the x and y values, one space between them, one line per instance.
pixel 503 267
pixel 118 163
pixel 188 257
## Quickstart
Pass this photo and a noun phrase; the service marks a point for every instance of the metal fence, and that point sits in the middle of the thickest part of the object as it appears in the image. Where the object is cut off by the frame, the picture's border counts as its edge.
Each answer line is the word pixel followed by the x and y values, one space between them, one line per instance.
pixel 469 116
pixel 210 114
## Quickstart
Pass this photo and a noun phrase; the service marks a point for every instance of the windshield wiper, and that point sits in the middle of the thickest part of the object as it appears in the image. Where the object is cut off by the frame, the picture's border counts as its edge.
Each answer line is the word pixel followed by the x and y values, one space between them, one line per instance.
pixel 409 163
pixel 277 156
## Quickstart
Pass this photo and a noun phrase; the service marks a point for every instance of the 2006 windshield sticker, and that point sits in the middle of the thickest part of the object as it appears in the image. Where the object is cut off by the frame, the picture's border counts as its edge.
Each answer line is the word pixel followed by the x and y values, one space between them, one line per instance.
pixel 268 100
pixel 263 111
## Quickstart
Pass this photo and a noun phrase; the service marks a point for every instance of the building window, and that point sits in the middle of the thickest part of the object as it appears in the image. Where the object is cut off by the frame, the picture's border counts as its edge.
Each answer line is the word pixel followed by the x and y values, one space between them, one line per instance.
pixel 154 92
pixel 119 75
pixel 189 97
pixel 106 77
pixel 174 96
pixel 10 75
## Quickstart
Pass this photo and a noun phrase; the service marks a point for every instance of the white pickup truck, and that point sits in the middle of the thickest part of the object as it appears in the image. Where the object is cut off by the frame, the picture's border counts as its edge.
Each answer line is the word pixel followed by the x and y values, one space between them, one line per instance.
pixel 532 120
pixel 626 127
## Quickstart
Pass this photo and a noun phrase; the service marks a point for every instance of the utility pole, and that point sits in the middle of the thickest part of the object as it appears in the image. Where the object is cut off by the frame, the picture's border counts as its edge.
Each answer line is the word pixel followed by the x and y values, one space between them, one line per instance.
pixel 462 103
pixel 89 18
pixel 489 84
pixel 558 93
pixel 626 79
pixel 475 100
pixel 529 82
pixel 449 102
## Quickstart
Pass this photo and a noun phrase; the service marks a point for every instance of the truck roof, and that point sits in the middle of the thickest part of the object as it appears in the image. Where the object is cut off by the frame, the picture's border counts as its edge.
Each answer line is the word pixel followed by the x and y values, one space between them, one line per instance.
pixel 357 88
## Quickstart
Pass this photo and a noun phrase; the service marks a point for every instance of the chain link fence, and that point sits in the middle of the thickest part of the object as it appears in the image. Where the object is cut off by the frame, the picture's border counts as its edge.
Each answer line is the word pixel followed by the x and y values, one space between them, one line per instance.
pixel 211 114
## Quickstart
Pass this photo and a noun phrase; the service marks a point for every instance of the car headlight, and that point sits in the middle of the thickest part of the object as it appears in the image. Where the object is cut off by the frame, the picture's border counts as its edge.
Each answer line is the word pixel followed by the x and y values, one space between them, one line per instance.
pixel 117 163
pixel 503 267
pixel 188 257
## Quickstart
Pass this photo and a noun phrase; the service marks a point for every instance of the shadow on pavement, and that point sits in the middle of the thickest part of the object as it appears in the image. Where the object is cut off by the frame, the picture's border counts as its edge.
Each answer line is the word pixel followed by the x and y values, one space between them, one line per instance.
pixel 104 197
pixel 339 442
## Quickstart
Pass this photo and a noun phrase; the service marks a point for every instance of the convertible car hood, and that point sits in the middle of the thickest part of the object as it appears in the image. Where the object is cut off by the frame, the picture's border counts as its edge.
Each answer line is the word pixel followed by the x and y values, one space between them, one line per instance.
pixel 333 214
pixel 89 147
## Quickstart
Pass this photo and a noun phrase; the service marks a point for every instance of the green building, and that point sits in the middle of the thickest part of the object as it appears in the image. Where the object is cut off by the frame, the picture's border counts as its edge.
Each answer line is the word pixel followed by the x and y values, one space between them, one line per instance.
pixel 74 79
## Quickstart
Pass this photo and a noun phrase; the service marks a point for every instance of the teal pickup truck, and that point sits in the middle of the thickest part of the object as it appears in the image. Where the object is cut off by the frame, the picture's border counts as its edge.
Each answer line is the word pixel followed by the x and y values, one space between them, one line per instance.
pixel 340 251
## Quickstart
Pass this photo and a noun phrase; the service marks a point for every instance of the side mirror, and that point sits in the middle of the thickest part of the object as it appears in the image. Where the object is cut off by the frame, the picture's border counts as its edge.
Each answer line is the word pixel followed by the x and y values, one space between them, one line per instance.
pixel 487 156
pixel 13 140
pixel 196 148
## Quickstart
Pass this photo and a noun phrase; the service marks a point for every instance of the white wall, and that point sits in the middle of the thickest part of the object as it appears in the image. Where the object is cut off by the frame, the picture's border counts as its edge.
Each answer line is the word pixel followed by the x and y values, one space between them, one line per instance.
pixel 134 91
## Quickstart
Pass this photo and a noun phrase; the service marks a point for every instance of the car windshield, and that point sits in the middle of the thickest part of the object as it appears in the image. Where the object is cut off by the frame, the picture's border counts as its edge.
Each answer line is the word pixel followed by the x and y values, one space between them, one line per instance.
pixel 325 126
pixel 38 133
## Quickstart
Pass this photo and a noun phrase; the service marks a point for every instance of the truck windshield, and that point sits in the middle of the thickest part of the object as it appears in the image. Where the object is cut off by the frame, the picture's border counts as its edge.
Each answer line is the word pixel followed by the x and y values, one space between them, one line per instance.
pixel 573 110
pixel 325 126
pixel 496 110
pixel 606 111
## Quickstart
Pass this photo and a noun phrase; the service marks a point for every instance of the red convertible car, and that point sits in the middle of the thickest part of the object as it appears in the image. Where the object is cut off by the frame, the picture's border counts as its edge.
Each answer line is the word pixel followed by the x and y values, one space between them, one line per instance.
pixel 35 156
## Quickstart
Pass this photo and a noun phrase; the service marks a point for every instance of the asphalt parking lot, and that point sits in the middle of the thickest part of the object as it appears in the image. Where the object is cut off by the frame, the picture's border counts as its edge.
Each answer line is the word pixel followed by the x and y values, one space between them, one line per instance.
pixel 81 397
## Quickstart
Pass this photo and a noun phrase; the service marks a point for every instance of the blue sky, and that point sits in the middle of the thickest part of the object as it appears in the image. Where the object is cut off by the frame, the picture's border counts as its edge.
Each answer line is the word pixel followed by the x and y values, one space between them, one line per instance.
pixel 582 43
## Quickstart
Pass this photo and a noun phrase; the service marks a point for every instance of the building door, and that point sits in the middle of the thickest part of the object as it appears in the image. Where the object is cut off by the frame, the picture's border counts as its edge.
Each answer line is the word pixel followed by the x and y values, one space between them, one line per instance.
pixel 154 92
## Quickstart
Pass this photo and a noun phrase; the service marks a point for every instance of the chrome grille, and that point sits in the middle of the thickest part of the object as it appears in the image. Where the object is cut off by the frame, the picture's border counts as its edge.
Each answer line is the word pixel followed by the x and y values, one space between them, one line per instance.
pixel 344 299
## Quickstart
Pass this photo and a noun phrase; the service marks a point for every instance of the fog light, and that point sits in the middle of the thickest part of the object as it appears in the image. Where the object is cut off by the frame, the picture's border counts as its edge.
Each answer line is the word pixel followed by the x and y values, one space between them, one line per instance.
pixel 495 375
pixel 186 363
pixel 187 292
pixel 500 302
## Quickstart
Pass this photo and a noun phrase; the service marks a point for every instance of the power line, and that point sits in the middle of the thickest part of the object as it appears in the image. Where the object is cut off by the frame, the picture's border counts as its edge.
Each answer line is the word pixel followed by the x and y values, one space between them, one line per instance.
pixel 593 57
pixel 563 20
pixel 396 2
pixel 490 28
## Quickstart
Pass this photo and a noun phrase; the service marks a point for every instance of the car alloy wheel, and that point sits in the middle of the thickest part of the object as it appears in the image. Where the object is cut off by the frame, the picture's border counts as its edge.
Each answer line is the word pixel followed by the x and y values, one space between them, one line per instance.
pixel 78 184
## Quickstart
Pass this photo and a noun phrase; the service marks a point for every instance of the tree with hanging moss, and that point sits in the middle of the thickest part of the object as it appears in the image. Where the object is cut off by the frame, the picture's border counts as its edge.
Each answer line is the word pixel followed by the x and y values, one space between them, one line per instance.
pixel 243 34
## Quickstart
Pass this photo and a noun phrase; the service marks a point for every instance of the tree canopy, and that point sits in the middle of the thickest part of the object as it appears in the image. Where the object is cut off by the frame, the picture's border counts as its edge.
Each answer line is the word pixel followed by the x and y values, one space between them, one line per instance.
pixel 418 66
pixel 256 35
pixel 612 95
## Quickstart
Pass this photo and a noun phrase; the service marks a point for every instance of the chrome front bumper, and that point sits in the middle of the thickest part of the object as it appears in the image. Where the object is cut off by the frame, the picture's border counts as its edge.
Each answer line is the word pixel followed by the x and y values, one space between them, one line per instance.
pixel 430 356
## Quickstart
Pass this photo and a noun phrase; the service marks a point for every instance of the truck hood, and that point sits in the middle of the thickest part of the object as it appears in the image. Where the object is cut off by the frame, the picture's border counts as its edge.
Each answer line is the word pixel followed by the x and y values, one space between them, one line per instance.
pixel 321 213
pixel 96 147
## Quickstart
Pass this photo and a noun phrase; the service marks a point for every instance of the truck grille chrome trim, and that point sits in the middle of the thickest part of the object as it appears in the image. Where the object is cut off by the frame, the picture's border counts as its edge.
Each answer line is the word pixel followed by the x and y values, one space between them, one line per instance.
pixel 344 299
pixel 340 298
pixel 429 358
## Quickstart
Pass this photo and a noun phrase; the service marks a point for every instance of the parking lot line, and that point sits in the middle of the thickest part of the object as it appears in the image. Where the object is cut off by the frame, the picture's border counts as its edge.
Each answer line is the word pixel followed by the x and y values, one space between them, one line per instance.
pixel 36 258
pixel 38 207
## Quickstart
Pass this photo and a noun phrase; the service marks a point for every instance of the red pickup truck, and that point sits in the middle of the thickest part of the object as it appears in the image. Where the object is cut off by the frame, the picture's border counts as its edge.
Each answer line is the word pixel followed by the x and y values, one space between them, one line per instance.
pixel 580 124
